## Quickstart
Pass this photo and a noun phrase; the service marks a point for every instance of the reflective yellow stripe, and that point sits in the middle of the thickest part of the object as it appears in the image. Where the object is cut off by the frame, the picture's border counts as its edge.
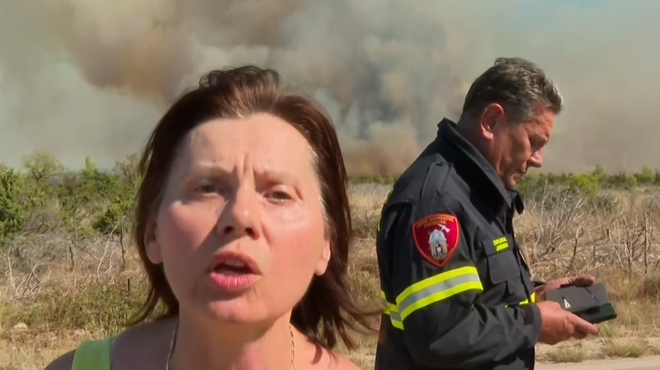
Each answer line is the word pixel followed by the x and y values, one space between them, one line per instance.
pixel 500 244
pixel 392 310
pixel 434 289
pixel 381 214
pixel 395 317
pixel 431 290
pixel 437 288
pixel 526 301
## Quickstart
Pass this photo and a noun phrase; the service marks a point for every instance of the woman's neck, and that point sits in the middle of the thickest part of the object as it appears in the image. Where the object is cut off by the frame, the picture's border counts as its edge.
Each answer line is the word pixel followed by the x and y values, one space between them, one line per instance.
pixel 209 345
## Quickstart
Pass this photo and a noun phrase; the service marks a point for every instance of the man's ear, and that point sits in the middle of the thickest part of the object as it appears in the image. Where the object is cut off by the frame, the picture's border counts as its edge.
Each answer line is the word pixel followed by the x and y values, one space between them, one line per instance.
pixel 322 264
pixel 490 117
pixel 151 244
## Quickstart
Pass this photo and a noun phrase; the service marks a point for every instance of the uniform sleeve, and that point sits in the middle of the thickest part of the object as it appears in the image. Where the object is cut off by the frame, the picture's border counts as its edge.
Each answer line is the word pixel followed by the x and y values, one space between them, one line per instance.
pixel 435 283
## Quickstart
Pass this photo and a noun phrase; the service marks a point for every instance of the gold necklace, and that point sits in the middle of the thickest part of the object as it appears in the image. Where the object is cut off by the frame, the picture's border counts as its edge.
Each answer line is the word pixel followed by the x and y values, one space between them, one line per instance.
pixel 176 330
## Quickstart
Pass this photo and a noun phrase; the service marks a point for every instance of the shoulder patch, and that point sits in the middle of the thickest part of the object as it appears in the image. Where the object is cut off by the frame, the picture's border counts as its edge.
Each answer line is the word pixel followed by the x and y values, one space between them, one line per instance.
pixel 436 237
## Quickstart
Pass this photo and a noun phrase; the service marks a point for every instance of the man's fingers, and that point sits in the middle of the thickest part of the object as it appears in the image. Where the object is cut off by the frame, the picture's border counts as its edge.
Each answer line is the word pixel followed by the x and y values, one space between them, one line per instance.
pixel 579 334
pixel 556 283
pixel 585 326
pixel 583 280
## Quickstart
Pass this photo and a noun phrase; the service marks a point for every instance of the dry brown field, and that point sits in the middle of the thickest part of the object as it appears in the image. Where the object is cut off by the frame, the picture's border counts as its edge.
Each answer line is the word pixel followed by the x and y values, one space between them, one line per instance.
pixel 57 289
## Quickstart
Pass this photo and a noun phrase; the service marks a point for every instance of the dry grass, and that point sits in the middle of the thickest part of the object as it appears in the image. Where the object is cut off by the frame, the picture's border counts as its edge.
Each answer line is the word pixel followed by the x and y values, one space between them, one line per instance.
pixel 49 303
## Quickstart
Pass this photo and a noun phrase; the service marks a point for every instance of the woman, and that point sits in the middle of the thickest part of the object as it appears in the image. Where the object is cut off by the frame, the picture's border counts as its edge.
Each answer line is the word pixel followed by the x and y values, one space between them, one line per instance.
pixel 243 226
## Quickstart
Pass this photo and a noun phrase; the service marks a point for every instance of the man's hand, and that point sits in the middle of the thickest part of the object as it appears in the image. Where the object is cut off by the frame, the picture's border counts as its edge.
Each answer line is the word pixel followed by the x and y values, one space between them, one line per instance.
pixel 558 325
pixel 581 280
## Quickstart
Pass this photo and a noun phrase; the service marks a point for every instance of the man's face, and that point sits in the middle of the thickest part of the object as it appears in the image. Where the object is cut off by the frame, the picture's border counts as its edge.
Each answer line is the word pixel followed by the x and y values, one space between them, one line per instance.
pixel 513 148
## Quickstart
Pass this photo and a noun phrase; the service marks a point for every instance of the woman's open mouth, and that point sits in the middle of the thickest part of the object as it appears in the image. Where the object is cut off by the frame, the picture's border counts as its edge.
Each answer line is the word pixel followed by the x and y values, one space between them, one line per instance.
pixel 233 271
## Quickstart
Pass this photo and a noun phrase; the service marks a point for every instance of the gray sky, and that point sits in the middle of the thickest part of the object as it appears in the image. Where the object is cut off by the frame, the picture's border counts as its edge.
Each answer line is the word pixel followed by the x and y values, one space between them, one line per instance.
pixel 82 77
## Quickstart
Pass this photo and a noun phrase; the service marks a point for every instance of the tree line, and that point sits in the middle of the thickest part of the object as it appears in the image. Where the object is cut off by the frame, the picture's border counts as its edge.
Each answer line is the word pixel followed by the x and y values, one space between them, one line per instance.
pixel 42 196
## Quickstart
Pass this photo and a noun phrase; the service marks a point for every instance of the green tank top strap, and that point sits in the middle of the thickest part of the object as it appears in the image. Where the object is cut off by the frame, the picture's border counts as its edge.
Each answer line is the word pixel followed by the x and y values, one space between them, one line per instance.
pixel 93 355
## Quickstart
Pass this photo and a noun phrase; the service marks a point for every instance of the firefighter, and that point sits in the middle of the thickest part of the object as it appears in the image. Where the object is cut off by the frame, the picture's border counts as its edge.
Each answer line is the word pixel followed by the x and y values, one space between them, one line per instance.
pixel 455 286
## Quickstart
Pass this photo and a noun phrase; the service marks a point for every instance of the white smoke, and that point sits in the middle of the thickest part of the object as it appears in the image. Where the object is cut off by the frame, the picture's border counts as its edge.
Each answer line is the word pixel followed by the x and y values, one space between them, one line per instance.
pixel 82 77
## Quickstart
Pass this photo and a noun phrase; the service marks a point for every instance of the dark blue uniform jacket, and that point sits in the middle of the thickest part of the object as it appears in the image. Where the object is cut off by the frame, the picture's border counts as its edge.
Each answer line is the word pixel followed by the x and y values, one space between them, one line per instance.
pixel 456 288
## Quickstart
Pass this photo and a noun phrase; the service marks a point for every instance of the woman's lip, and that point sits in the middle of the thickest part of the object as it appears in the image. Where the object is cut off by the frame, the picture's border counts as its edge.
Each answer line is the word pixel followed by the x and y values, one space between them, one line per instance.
pixel 233 283
pixel 226 255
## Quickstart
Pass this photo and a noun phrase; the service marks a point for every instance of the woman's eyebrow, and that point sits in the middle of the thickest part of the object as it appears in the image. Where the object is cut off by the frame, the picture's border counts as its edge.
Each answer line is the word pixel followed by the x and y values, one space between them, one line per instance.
pixel 274 174
pixel 210 168
pixel 222 169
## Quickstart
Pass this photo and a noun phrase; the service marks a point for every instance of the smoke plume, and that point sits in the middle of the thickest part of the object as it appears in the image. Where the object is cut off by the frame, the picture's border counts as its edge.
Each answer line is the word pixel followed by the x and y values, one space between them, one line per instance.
pixel 82 77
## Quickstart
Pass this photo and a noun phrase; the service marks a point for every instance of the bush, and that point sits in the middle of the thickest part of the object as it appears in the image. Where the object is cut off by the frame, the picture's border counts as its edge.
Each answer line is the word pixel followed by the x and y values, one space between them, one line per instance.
pixel 12 209
pixel 43 194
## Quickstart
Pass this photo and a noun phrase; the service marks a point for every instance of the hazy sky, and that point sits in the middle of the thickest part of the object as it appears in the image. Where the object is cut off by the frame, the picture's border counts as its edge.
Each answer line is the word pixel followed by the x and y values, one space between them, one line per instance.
pixel 82 77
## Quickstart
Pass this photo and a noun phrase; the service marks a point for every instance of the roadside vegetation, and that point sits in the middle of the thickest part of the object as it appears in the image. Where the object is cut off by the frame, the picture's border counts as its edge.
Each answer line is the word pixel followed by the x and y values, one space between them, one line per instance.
pixel 69 270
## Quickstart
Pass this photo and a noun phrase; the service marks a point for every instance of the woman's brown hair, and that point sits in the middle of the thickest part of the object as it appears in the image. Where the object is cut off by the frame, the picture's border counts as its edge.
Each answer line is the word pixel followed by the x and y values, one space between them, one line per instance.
pixel 240 92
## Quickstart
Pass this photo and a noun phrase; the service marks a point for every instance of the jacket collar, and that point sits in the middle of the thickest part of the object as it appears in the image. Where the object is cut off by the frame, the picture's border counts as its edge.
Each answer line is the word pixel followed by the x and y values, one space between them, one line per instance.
pixel 473 166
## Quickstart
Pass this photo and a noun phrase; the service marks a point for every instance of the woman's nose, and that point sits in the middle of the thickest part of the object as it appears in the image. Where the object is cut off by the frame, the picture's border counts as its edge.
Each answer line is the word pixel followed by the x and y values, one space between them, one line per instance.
pixel 240 215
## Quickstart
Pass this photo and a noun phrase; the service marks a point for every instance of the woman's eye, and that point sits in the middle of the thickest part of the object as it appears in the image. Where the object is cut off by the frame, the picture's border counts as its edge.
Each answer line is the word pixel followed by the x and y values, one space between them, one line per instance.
pixel 280 195
pixel 207 188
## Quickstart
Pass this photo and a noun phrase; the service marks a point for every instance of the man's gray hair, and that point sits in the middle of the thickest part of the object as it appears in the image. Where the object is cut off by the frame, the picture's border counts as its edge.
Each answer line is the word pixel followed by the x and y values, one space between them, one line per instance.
pixel 519 85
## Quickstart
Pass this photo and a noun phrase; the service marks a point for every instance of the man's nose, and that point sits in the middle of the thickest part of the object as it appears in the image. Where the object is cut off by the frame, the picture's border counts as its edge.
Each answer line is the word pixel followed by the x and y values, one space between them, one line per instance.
pixel 536 160
pixel 240 215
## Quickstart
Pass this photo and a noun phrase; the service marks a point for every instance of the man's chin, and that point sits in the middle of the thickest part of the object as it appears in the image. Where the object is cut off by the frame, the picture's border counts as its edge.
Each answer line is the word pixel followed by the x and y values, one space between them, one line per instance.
pixel 511 183
pixel 513 180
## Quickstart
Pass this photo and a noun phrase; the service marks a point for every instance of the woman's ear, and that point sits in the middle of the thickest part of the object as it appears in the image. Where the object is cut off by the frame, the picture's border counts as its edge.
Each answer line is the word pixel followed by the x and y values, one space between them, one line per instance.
pixel 322 264
pixel 151 244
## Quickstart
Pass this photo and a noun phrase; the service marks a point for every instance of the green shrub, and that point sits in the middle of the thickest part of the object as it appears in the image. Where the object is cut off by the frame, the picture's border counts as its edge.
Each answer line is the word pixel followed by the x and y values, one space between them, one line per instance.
pixel 44 194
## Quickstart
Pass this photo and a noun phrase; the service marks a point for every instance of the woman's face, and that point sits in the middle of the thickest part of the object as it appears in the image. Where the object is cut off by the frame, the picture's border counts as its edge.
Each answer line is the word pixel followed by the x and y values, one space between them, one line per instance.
pixel 240 230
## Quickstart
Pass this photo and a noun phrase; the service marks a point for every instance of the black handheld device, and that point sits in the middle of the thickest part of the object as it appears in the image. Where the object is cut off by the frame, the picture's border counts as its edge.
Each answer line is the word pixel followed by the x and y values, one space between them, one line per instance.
pixel 591 303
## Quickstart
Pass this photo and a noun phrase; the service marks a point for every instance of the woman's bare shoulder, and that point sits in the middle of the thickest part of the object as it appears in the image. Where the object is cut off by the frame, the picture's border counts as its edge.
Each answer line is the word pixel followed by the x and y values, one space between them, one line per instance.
pixel 139 346
pixel 123 350
pixel 64 362
pixel 143 335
